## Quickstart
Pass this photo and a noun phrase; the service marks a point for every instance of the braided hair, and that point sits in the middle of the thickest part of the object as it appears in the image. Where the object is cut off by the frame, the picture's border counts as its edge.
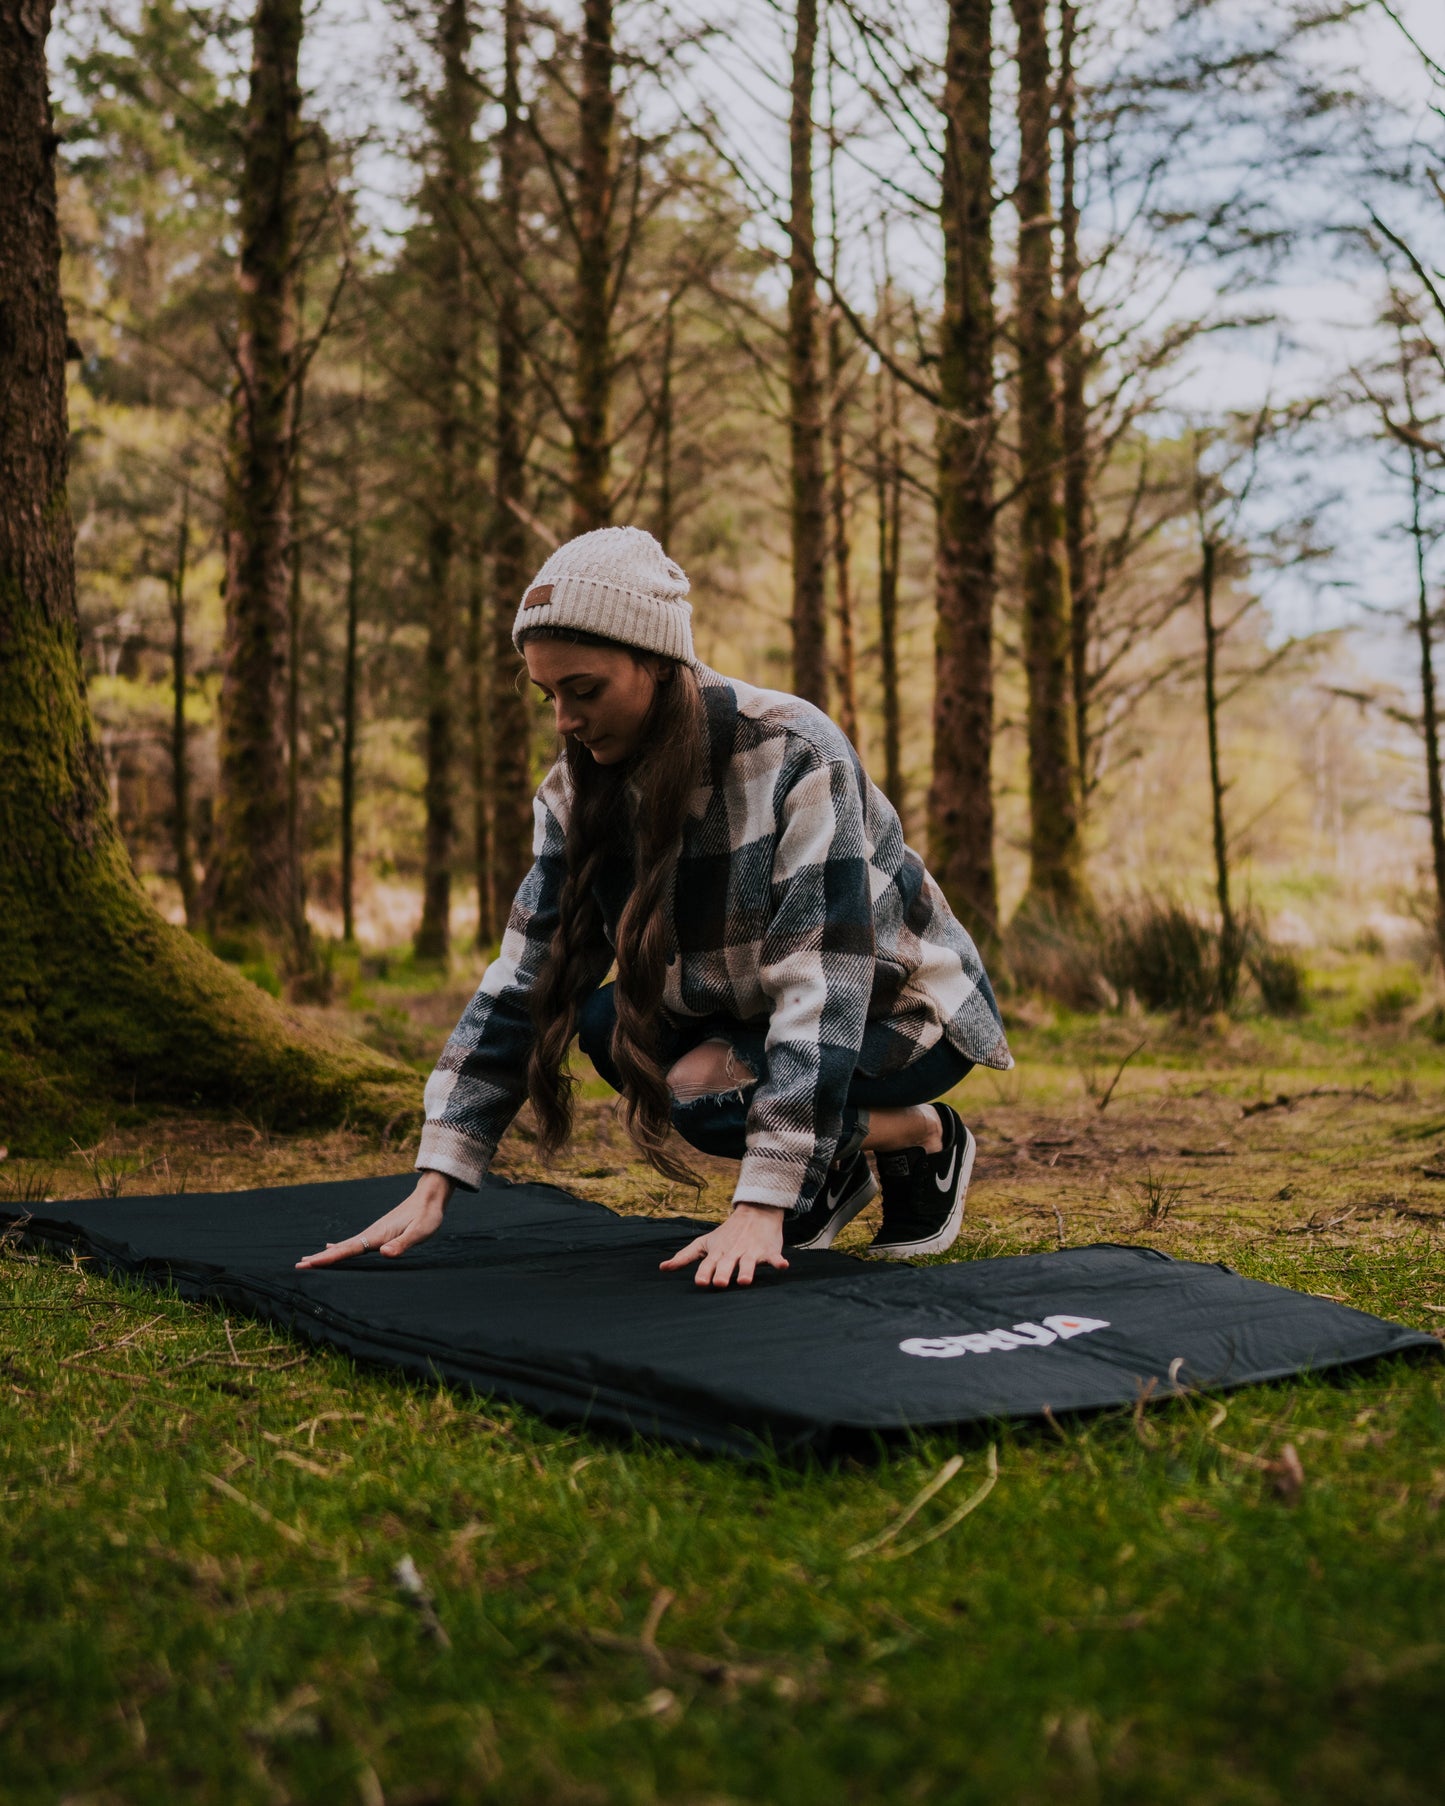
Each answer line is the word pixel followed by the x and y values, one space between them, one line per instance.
pixel 641 802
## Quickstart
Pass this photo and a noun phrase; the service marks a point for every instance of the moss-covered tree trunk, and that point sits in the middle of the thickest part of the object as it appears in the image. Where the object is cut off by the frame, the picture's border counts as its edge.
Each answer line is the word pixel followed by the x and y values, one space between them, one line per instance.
pixel 101 1000
pixel 511 773
pixel 249 886
pixel 1056 861
pixel 596 158
pixel 805 382
pixel 960 802
pixel 180 738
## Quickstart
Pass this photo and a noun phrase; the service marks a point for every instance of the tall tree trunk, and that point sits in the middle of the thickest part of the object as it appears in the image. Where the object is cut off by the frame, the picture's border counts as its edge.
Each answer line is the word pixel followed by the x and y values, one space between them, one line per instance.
pixel 1056 864
pixel 805 387
pixel 300 934
pixel 449 199
pixel 888 495
pixel 511 753
pixel 592 435
pixel 1229 941
pixel 960 804
pixel 1073 409
pixel 180 740
pixel 1429 708
pixel 847 668
pixel 101 999
pixel 248 888
pixel 665 425
pixel 349 723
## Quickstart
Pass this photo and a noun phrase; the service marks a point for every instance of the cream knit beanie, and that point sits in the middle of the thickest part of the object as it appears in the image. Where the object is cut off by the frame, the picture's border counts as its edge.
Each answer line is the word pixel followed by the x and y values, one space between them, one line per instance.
pixel 616 582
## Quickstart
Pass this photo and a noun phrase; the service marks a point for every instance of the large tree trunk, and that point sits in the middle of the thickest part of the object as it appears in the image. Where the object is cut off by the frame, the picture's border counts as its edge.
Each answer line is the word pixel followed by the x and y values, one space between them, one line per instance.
pixel 449 201
pixel 592 434
pixel 960 804
pixel 180 738
pixel 1073 409
pixel 805 386
pixel 1230 945
pixel 349 715
pixel 888 495
pixel 1429 707
pixel 249 887
pixel 1056 865
pixel 101 1000
pixel 300 933
pixel 511 773
pixel 847 666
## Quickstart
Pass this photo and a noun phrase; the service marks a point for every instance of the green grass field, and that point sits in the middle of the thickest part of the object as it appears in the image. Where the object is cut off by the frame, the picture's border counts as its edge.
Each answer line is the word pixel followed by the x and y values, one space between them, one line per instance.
pixel 1232 1600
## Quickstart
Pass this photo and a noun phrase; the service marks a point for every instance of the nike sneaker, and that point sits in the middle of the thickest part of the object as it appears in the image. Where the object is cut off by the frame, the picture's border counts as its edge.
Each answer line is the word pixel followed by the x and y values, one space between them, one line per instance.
pixel 848 1189
pixel 923 1193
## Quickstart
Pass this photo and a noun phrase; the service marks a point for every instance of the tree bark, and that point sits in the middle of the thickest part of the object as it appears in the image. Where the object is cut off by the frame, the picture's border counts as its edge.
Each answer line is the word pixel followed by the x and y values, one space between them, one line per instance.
pixel 349 718
pixel 665 426
pixel 888 496
pixel 1229 943
pixel 597 116
pixel 805 388
pixel 101 1000
pixel 847 667
pixel 1429 708
pixel 511 762
pixel 249 887
pixel 960 806
pixel 180 739
pixel 449 199
pixel 1073 408
pixel 300 934
pixel 1056 863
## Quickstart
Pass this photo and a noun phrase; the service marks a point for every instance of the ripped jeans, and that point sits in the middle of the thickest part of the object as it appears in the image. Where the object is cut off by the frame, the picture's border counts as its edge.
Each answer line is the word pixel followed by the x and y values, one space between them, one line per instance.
pixel 715 1122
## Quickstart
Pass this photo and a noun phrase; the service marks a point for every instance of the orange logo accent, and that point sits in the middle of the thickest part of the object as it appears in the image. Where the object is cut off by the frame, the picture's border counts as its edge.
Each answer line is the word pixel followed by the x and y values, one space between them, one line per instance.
pixel 535 597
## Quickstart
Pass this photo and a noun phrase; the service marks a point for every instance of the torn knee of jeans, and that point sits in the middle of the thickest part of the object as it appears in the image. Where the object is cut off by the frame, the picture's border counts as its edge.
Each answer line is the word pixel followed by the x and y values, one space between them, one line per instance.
pixel 712 1070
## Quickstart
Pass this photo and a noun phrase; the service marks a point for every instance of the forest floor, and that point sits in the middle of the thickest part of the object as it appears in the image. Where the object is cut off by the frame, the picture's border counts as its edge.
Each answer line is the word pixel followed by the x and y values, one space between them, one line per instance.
pixel 202 1522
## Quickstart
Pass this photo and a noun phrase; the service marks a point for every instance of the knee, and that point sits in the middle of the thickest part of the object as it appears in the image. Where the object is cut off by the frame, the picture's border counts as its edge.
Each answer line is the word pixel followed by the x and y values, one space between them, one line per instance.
pixel 712 1066
pixel 595 1022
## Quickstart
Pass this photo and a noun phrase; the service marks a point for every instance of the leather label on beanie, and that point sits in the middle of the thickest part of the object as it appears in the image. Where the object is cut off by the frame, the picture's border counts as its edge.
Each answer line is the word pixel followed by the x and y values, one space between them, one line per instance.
pixel 537 595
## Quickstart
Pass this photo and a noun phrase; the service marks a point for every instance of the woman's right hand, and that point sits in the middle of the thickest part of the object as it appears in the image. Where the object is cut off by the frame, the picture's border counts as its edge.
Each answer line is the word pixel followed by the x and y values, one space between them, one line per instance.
pixel 417 1216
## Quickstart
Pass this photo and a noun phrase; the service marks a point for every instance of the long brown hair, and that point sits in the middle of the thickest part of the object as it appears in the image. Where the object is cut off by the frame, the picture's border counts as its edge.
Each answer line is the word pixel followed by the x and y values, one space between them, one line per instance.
pixel 641 802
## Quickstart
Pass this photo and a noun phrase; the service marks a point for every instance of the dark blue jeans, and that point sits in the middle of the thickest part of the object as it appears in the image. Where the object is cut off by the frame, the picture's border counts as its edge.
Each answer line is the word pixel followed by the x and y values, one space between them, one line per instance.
pixel 716 1123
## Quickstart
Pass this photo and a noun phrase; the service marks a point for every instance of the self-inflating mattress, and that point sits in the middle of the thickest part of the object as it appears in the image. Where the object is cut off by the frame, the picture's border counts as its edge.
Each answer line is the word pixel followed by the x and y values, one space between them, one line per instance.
pixel 533 1295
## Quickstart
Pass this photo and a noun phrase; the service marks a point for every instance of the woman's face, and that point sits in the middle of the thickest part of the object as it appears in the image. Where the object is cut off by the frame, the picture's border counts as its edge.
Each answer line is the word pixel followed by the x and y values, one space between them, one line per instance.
pixel 601 694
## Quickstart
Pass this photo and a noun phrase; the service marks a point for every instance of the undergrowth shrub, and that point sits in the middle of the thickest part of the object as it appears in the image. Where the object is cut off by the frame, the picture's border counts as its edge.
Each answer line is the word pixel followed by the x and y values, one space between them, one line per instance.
pixel 1158 951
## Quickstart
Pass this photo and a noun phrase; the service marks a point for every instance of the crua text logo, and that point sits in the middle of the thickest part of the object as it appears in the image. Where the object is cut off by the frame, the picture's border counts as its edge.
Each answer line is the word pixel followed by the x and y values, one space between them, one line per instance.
pixel 990 1341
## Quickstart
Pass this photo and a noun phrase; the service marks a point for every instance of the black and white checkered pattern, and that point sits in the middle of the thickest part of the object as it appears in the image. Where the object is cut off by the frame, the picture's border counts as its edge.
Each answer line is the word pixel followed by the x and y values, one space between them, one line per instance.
pixel 797 904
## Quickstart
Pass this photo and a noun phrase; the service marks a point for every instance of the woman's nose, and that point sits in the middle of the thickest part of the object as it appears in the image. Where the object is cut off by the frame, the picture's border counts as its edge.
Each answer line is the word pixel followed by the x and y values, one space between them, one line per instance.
pixel 568 720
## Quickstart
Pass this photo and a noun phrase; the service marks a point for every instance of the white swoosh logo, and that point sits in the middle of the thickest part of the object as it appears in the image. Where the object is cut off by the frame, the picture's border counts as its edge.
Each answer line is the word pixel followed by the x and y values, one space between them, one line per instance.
pixel 947 1179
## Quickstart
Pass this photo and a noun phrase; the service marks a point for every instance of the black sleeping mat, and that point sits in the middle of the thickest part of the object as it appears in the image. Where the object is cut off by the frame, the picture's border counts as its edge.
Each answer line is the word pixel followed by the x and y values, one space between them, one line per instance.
pixel 536 1296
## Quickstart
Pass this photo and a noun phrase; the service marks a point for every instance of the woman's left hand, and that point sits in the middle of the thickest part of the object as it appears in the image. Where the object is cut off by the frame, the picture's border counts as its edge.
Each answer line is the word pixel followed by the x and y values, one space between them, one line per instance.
pixel 752 1237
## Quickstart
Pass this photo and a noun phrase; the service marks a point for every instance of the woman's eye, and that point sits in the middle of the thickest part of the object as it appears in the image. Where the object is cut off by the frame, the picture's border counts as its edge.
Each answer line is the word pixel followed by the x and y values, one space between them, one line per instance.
pixel 584 695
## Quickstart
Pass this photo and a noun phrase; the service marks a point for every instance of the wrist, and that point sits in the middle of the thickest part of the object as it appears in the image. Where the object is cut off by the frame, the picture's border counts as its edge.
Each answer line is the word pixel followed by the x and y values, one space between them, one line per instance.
pixel 436 1187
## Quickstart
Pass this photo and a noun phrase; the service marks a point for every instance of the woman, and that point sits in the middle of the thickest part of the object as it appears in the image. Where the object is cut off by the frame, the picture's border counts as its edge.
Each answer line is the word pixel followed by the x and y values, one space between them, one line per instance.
pixel 791 988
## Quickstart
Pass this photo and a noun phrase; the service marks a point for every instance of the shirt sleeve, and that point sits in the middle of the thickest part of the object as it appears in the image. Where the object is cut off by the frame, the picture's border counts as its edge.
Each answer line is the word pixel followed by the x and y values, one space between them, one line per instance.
pixel 480 1080
pixel 816 962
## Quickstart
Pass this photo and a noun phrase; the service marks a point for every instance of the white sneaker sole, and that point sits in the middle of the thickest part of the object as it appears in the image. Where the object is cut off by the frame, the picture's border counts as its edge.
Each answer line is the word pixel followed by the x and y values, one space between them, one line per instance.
pixel 948 1235
pixel 843 1215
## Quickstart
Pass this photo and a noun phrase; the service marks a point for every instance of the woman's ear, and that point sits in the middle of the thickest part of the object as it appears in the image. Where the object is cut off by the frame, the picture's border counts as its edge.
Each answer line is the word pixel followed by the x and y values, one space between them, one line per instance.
pixel 663 670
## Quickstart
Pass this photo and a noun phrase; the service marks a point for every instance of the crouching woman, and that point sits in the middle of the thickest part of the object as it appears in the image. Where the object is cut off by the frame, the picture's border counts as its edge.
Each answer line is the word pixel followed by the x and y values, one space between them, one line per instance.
pixel 791 989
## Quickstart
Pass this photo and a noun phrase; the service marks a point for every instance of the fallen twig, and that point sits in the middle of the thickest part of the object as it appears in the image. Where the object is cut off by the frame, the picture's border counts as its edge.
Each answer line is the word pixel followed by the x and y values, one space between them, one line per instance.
pixel 279 1525
pixel 955 1518
pixel 872 1544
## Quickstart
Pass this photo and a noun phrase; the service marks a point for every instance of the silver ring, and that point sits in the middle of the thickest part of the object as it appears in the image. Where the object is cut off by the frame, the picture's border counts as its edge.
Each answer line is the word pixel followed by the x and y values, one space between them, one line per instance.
pixel 365 1245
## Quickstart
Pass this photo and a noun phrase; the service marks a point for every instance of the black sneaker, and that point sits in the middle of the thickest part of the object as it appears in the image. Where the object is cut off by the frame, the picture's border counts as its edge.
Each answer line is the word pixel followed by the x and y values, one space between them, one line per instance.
pixel 923 1193
pixel 846 1191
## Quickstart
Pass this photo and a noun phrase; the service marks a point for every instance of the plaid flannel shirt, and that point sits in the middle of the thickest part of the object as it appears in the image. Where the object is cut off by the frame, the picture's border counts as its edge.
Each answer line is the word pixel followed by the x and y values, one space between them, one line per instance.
pixel 796 905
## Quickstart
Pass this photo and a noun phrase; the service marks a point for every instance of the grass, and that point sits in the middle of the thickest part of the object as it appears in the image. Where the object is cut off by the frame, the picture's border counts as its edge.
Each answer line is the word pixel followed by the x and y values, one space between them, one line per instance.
pixel 203 1524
